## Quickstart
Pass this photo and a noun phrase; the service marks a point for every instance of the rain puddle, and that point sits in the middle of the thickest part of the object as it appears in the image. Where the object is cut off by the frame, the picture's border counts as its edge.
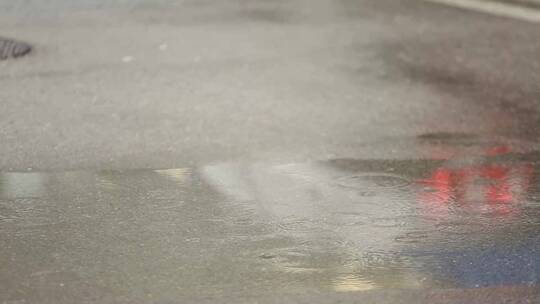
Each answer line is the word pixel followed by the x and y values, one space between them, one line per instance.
pixel 340 225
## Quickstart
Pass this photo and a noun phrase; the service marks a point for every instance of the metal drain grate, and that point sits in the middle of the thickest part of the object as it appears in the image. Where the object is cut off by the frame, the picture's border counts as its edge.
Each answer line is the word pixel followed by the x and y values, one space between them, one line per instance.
pixel 13 49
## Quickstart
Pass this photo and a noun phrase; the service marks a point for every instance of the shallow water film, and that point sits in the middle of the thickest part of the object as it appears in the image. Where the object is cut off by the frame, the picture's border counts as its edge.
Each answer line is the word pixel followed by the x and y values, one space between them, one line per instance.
pixel 469 221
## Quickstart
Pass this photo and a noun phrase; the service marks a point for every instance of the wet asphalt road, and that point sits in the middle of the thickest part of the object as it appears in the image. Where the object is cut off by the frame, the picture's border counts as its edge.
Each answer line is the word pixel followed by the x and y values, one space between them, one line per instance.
pixel 161 84
pixel 270 152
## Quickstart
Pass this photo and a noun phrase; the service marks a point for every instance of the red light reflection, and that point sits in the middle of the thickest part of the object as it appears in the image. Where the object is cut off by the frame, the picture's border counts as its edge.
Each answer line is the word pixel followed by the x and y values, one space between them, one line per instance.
pixel 491 188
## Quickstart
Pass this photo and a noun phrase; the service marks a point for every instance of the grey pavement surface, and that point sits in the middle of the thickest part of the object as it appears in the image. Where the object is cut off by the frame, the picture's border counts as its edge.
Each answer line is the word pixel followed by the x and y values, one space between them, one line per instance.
pixel 371 151
pixel 265 80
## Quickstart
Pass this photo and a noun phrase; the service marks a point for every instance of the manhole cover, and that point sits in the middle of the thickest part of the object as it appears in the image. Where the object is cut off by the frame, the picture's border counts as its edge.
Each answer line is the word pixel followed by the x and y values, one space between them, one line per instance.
pixel 13 49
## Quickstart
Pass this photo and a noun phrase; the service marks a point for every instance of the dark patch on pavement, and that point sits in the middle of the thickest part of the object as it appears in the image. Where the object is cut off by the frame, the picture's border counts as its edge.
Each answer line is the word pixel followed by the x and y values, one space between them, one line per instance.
pixel 458 138
pixel 12 49
pixel 500 83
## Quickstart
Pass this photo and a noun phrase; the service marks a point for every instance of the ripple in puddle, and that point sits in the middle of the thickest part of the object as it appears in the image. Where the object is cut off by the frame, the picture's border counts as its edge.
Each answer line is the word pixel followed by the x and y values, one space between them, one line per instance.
pixel 398 221
pixel 460 228
pixel 375 180
pixel 347 219
pixel 413 237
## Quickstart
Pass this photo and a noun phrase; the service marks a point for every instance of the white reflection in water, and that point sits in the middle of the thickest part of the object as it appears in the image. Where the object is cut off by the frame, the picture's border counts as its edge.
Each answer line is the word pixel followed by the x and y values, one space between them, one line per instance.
pixel 432 214
pixel 22 185
pixel 179 175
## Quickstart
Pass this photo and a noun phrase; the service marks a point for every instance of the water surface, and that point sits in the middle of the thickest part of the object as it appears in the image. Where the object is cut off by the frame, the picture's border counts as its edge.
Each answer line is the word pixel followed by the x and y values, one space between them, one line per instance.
pixel 244 230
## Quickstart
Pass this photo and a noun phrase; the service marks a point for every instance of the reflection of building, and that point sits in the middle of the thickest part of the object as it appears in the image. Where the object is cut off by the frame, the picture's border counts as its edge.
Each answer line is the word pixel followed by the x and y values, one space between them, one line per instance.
pixel 422 218
pixel 342 225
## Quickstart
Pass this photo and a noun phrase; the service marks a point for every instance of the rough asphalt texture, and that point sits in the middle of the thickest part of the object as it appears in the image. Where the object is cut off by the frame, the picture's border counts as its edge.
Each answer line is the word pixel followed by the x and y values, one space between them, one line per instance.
pixel 175 83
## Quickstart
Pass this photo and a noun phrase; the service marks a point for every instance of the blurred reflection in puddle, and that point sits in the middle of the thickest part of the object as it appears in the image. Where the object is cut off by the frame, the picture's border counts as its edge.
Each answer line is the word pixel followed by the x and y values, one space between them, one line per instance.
pixel 22 185
pixel 440 216
pixel 178 175
pixel 491 187
pixel 338 225
pixel 347 283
